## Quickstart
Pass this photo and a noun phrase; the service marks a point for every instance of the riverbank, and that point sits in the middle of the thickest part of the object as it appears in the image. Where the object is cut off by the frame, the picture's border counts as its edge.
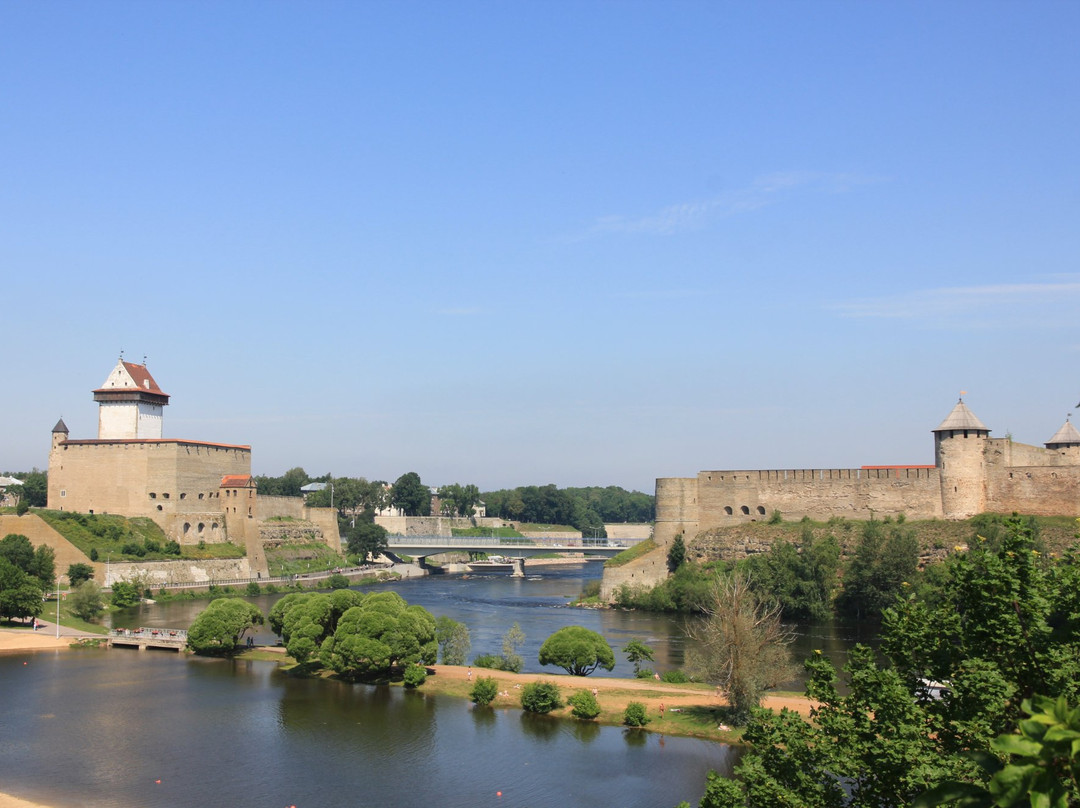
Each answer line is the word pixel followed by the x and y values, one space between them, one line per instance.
pixel 13 639
pixel 690 710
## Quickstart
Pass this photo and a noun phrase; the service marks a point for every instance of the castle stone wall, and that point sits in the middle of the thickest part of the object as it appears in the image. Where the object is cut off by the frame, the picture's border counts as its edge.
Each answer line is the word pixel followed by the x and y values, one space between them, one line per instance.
pixel 172 482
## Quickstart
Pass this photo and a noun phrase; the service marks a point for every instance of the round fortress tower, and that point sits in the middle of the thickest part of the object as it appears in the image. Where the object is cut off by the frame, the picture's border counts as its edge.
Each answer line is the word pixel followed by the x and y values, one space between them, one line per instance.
pixel 960 455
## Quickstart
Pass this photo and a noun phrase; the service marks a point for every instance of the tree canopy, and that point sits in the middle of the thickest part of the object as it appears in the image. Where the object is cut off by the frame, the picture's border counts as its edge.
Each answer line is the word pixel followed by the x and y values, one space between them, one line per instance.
pixel 218 629
pixel 741 646
pixel 304 620
pixel 577 650
pixel 956 672
pixel 411 495
pixel 379 633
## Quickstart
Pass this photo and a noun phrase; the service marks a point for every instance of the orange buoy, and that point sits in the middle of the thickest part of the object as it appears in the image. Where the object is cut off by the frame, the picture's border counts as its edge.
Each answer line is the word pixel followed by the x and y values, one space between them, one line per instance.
pixel 158 782
pixel 498 793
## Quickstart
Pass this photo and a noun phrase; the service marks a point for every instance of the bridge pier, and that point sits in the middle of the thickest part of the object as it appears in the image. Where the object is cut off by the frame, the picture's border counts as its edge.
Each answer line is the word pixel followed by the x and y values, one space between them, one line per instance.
pixel 519 568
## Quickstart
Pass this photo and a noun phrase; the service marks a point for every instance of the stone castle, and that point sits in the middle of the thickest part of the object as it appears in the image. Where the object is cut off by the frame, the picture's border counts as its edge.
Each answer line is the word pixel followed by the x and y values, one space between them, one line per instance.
pixel 195 490
pixel 972 473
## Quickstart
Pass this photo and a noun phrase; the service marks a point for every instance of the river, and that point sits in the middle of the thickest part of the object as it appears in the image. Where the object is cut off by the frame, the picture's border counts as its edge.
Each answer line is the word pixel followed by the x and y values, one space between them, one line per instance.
pixel 98 727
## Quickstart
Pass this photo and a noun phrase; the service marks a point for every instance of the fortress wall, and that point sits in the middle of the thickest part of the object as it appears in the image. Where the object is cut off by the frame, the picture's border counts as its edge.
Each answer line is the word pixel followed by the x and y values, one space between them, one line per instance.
pixel 153 574
pixel 736 497
pixel 1021 454
pixel 191 528
pixel 269 507
pixel 191 473
pixel 152 479
pixel 1035 490
pixel 676 508
pixel 326 520
pixel 99 478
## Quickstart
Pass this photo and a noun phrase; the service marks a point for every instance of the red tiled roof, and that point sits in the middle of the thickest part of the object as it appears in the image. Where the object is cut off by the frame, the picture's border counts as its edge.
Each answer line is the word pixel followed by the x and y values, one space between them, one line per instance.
pixel 179 441
pixel 236 481
pixel 142 378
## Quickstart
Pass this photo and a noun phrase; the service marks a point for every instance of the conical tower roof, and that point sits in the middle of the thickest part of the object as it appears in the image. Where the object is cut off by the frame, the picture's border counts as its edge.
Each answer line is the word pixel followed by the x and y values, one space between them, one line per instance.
pixel 60 427
pixel 961 418
pixel 1066 436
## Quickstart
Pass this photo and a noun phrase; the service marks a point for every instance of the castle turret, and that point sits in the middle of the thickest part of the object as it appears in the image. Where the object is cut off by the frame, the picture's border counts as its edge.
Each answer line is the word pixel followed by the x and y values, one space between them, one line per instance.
pixel 59 433
pixel 1065 438
pixel 960 443
pixel 130 404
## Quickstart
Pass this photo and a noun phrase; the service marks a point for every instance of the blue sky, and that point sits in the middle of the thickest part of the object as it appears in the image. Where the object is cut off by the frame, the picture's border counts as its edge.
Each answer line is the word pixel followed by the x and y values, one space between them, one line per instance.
pixel 585 243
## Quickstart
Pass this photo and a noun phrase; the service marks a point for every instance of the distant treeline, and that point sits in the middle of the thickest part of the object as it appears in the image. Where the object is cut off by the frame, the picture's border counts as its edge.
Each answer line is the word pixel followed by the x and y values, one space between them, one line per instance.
pixel 586 509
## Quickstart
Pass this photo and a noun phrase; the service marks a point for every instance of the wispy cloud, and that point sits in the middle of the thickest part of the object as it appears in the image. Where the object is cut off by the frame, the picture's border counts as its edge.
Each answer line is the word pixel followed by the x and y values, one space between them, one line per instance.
pixel 763 191
pixel 966 301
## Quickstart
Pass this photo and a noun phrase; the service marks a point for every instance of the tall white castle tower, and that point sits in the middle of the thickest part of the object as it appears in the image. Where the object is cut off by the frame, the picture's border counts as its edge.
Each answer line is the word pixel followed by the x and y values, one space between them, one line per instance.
pixel 130 404
pixel 960 454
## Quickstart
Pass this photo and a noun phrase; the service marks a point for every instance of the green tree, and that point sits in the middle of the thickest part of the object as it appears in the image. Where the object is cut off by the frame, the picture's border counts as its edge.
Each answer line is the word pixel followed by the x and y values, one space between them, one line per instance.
pixel 219 628
pixel 86 601
pixel 1043 769
pixel 411 495
pixel 676 554
pixel 337 581
pixel 540 697
pixel 513 639
pixel 801 578
pixel 741 646
pixel 886 557
pixel 637 652
pixel 35 489
pixel 17 549
pixel 79 572
pixel 379 633
pixel 453 639
pixel 459 500
pixel 577 650
pixel 1007 627
pixel 20 594
pixel 366 539
pixel 125 594
pixel 305 620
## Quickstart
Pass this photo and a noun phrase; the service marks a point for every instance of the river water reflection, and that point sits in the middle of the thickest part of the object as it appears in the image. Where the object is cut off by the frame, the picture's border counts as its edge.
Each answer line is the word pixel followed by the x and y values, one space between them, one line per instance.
pixel 97 727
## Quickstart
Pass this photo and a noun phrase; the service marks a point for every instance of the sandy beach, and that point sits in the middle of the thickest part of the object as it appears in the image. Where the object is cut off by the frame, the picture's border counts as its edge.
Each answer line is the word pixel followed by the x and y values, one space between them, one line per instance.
pixel 29 640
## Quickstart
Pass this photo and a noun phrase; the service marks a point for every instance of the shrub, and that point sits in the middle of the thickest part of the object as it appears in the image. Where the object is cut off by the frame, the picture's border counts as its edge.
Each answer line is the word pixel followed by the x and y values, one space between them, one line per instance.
pixel 124 594
pixel 253 589
pixel 540 697
pixel 22 507
pixel 271 589
pixel 337 581
pixel 484 691
pixel 634 715
pixel 171 548
pixel 584 704
pixel 152 546
pixel 498 662
pixel 415 675
pixel 645 673
pixel 675 677
pixel 133 548
pixel 93 554
pixel 85 601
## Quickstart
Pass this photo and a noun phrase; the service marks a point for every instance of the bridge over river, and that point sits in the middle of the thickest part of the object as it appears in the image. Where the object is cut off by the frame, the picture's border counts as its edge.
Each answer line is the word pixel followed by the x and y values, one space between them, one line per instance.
pixel 514 548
